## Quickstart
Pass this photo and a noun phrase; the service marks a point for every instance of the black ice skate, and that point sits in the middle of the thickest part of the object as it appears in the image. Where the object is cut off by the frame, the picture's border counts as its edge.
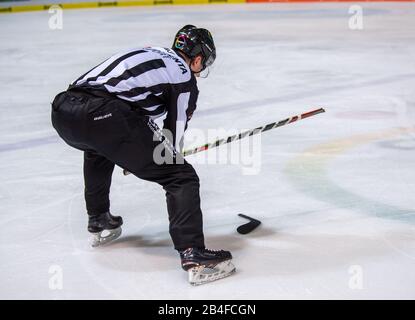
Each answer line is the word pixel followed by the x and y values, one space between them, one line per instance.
pixel 205 265
pixel 104 228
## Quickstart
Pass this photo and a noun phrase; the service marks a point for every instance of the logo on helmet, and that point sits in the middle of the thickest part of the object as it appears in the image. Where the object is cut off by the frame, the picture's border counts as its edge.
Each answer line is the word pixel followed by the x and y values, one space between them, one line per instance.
pixel 180 41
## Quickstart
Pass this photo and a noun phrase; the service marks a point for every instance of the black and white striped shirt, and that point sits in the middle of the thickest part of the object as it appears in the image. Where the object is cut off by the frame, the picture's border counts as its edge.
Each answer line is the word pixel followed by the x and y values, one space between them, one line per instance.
pixel 154 79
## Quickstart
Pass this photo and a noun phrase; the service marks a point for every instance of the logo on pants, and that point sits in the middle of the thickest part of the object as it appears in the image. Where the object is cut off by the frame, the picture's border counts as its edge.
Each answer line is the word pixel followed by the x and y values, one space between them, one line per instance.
pixel 105 116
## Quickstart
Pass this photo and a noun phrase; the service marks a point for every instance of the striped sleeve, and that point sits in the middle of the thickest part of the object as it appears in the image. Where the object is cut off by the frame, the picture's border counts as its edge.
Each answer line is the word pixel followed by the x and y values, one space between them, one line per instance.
pixel 182 104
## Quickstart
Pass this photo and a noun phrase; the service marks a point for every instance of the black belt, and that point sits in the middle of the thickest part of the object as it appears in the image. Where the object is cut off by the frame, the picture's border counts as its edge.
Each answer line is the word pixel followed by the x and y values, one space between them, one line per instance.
pixel 91 91
pixel 104 94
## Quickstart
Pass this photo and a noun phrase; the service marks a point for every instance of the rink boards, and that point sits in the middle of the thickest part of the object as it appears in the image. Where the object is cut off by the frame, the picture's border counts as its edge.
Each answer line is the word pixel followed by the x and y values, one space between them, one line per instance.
pixel 106 4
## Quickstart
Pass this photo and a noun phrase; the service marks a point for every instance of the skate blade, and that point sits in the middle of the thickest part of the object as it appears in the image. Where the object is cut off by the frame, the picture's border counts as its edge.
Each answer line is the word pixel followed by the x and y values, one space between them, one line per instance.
pixel 98 240
pixel 203 274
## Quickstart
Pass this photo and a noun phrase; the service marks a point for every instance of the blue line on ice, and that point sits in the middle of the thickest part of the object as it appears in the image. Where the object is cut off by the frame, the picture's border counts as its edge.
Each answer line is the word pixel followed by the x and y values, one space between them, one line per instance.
pixel 25 144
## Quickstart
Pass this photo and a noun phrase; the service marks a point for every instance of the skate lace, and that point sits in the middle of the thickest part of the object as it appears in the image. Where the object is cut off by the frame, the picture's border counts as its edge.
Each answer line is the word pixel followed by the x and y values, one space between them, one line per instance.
pixel 213 251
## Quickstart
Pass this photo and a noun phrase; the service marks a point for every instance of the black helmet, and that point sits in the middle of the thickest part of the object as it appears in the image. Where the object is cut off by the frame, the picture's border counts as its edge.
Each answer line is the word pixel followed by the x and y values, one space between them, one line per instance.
pixel 193 41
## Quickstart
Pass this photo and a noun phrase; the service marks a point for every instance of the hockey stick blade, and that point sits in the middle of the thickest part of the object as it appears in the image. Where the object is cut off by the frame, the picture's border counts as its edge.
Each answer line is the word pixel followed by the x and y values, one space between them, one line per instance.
pixel 248 227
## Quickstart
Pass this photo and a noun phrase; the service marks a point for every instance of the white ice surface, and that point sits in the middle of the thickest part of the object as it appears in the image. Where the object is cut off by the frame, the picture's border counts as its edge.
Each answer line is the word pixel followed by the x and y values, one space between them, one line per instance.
pixel 334 191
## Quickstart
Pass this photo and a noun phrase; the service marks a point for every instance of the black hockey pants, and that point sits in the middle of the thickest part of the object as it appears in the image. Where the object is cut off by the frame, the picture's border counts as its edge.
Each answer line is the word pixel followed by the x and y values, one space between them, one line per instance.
pixel 110 132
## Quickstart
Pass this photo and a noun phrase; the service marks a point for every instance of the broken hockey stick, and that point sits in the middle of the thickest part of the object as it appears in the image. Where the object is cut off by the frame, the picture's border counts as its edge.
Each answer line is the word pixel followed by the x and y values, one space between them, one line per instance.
pixel 244 134
pixel 235 137
pixel 248 227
